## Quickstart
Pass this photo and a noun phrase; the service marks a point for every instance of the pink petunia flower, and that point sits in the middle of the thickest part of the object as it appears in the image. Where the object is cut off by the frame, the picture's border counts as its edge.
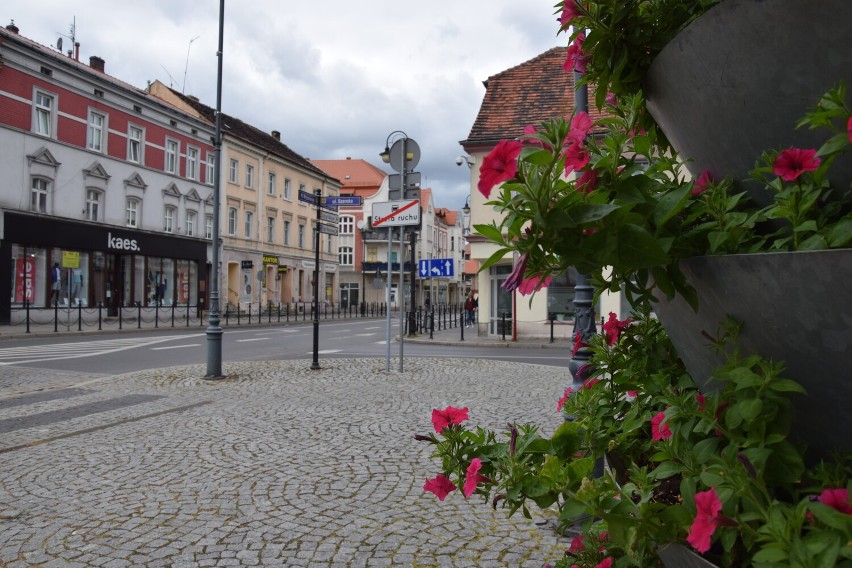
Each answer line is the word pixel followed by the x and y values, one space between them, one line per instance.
pixel 590 383
pixel 707 507
pixel 701 400
pixel 613 328
pixel 700 185
pixel 849 128
pixel 450 415
pixel 578 342
pixel 562 400
pixel 580 127
pixel 569 12
pixel 576 59
pixel 499 165
pixel 440 486
pixel 588 181
pixel 533 284
pixel 577 545
pixel 576 157
pixel 472 477
pixel 605 563
pixel 516 277
pixel 660 430
pixel 610 99
pixel 793 162
pixel 632 394
pixel 837 499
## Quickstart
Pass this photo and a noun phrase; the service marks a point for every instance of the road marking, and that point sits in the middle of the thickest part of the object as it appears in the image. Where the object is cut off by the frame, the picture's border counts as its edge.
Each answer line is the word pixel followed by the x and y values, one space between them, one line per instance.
pixel 175 347
pixel 325 351
pixel 340 330
pixel 253 339
pixel 364 335
pixel 53 352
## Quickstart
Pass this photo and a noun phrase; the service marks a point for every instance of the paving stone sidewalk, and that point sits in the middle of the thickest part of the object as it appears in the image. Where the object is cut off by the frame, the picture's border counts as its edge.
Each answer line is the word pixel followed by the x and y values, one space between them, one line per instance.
pixel 277 465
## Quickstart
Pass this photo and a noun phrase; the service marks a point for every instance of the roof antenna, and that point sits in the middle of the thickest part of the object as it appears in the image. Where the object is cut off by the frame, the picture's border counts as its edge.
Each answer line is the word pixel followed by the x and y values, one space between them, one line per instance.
pixel 186 66
pixel 73 37
pixel 171 79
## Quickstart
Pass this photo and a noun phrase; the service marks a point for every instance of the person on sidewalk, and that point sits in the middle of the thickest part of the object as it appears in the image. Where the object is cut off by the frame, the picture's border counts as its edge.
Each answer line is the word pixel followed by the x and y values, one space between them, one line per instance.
pixel 469 309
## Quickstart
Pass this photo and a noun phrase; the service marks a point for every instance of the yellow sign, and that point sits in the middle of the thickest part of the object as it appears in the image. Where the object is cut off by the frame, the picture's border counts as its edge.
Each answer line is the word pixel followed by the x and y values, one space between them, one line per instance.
pixel 269 259
pixel 70 259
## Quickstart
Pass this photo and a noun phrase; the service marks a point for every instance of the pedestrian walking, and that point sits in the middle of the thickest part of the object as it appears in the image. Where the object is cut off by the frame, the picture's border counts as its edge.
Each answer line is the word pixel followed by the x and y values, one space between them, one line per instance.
pixel 469 309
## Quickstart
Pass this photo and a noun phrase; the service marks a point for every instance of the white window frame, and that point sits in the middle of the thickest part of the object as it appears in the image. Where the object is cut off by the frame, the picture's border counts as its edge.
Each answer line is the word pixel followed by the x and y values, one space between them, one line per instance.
pixel 211 168
pixel 346 256
pixel 346 225
pixel 169 219
pixel 44 113
pixel 39 191
pixel 172 156
pixel 287 232
pixel 270 184
pixel 301 236
pixel 96 131
pixel 288 189
pixel 189 223
pixel 234 170
pixel 93 204
pixel 247 226
pixel 270 229
pixel 232 221
pixel 135 144
pixel 192 156
pixel 131 210
pixel 249 176
pixel 208 227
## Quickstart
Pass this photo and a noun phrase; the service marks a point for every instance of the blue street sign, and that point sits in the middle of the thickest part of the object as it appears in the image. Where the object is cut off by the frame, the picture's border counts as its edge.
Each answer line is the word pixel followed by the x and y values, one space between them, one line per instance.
pixel 343 201
pixel 308 197
pixel 435 268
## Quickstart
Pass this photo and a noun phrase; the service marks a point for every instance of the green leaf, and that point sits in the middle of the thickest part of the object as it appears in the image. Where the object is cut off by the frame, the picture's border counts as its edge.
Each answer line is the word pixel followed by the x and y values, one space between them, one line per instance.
pixel 665 470
pixel 496 257
pixel 771 554
pixel 637 248
pixel 750 408
pixel 705 450
pixel 834 144
pixel 490 232
pixel 786 385
pixel 566 440
pixel 670 204
pixel 589 213
pixel 840 234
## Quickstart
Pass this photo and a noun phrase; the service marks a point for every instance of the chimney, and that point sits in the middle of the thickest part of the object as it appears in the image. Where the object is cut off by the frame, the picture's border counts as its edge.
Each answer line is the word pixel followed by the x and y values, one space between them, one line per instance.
pixel 276 135
pixel 77 51
pixel 12 27
pixel 97 63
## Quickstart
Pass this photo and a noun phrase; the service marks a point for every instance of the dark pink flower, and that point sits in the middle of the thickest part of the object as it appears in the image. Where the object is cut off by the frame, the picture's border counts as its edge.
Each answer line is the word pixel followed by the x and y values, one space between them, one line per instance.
pixel 610 99
pixel 613 328
pixel 562 400
pixel 590 383
pixel 605 563
pixel 589 232
pixel 837 499
pixel 581 125
pixel 633 394
pixel 576 59
pixel 701 400
pixel 533 284
pixel 517 275
pixel 498 166
pixel 793 162
pixel 576 545
pixel 569 12
pixel 849 128
pixel 588 181
pixel 578 342
pixel 440 486
pixel 472 477
pixel 707 508
pixel 700 185
pixel 576 157
pixel 660 430
pixel 450 415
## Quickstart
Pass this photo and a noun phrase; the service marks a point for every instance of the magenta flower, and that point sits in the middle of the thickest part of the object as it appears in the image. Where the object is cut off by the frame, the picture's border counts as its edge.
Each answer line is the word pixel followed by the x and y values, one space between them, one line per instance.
pixel 613 328
pixel 605 563
pixel 472 477
pixel 578 342
pixel 580 127
pixel 577 545
pixel 701 400
pixel 610 99
pixel 837 499
pixel 450 415
pixel 590 383
pixel 793 162
pixel 517 275
pixel 569 12
pixel 576 59
pixel 707 508
pixel 440 486
pixel 588 181
pixel 562 400
pixel 498 166
pixel 700 185
pixel 660 430
pixel 849 128
pixel 576 157
pixel 533 284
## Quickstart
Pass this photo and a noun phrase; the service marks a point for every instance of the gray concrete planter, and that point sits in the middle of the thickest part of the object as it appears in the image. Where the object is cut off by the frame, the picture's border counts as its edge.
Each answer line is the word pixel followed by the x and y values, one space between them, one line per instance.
pixel 797 308
pixel 679 556
pixel 735 82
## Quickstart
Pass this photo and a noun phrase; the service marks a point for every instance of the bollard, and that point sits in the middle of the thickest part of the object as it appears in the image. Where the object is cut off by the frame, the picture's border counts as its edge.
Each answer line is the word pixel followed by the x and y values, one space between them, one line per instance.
pixel 249 321
pixel 173 314
pixel 187 313
pixel 79 316
pixel 156 315
pixel 503 324
pixel 552 317
pixel 461 327
pixel 27 306
pixel 56 316
pixel 100 307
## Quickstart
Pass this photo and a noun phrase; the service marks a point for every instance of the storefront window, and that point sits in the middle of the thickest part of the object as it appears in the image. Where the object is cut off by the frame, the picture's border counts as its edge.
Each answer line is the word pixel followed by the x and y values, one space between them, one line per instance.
pixel 29 276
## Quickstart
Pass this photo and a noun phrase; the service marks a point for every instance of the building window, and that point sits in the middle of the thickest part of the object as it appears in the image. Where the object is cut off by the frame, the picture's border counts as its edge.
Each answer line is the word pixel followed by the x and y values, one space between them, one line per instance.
pixel 232 220
pixel 249 175
pixel 211 162
pixel 452 243
pixel 169 220
pixel 287 233
pixel 93 205
pixel 301 236
pixel 43 117
pixel 347 225
pixel 328 244
pixel 208 227
pixel 270 229
pixel 233 171
pixel 249 222
pixel 135 137
pixel 270 184
pixel 192 163
pixel 190 223
pixel 132 211
pixel 347 257
pixel 97 131
pixel 172 149
pixel 288 189
pixel 38 201
pixel 302 188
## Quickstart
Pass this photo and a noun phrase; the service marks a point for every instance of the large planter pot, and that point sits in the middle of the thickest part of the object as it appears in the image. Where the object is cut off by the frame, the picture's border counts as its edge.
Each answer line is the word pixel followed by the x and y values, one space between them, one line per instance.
pixel 796 307
pixel 735 82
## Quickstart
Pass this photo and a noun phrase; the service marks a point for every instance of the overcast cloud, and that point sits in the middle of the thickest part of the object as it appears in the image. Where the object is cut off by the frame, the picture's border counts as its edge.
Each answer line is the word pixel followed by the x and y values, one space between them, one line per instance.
pixel 334 77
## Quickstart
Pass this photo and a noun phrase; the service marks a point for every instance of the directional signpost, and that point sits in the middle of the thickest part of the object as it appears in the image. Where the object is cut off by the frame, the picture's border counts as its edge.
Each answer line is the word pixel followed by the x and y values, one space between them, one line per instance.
pixel 435 268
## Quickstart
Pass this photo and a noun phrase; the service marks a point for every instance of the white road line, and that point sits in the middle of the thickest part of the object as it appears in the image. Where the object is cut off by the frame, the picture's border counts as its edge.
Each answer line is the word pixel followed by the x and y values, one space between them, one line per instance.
pixel 364 335
pixel 81 349
pixel 326 351
pixel 253 339
pixel 175 347
pixel 339 331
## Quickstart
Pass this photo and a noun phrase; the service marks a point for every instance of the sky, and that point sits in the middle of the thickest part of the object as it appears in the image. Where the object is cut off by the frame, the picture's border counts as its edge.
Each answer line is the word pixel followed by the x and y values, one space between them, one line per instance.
pixel 335 78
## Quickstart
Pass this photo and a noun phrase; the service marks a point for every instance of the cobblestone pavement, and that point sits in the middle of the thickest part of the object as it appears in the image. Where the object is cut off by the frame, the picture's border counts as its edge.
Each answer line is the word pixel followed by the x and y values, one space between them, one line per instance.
pixel 276 465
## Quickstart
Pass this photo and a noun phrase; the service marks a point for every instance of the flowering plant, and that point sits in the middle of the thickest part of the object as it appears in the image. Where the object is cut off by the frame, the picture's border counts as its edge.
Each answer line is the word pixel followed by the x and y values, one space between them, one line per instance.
pixel 716 470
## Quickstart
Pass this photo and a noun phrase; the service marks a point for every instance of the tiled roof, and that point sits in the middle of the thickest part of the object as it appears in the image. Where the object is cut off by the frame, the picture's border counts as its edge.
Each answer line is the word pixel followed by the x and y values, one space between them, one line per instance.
pixel 239 129
pixel 359 177
pixel 529 93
